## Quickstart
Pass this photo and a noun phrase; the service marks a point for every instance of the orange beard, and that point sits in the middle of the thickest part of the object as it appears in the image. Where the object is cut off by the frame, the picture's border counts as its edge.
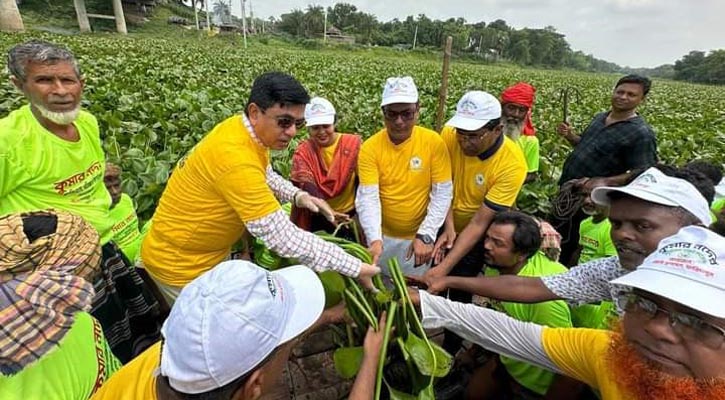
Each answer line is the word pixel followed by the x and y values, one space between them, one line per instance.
pixel 642 380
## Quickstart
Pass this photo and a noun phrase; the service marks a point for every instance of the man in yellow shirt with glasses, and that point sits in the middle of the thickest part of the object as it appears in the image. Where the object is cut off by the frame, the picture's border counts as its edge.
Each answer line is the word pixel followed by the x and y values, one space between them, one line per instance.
pixel 225 186
pixel 405 182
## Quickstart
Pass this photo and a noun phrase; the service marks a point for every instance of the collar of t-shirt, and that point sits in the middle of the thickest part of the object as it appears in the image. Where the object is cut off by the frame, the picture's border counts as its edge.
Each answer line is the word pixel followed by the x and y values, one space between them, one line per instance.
pixel 486 154
pixel 250 129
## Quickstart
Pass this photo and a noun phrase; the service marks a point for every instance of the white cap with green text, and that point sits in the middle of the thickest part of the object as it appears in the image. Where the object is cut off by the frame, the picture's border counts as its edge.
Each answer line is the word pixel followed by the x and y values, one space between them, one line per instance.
pixel 654 186
pixel 688 268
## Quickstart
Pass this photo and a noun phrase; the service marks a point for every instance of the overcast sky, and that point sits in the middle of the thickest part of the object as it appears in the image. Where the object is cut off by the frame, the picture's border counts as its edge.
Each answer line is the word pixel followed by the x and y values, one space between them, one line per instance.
pixel 636 33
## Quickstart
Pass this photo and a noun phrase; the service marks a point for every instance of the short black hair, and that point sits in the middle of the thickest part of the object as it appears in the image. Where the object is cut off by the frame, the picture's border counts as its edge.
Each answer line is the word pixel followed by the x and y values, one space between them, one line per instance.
pixel 636 79
pixel 273 88
pixel 710 170
pixel 527 234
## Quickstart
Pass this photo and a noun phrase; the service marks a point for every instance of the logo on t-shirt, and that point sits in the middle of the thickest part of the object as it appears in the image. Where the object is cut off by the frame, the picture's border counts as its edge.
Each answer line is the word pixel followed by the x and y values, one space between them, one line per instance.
pixel 81 182
pixel 479 179
pixel 416 164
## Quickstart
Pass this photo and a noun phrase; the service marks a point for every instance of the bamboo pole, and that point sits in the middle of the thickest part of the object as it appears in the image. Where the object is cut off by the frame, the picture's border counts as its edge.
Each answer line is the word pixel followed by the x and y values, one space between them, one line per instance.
pixel 443 93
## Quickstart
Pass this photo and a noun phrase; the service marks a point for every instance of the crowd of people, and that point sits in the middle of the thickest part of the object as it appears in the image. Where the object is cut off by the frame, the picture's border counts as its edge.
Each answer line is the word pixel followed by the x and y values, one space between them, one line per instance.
pixel 614 295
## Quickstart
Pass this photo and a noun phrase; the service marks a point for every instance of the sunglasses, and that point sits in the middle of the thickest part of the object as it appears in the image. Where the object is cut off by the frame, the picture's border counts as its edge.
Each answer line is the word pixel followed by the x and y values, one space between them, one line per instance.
pixel 285 121
pixel 406 115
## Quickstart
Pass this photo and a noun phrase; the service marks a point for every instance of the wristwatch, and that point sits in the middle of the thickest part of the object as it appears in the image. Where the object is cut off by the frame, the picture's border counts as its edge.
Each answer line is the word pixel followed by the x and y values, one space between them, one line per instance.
pixel 427 239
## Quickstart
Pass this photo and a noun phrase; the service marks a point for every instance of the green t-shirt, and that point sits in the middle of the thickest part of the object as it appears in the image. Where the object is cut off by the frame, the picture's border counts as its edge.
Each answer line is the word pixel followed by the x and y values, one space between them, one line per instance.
pixel 74 370
pixel 717 205
pixel 595 240
pixel 530 147
pixel 39 170
pixel 549 313
pixel 125 227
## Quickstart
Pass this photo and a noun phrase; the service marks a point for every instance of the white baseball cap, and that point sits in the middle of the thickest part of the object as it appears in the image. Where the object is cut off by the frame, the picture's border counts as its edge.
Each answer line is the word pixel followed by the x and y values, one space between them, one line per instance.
pixel 688 268
pixel 474 110
pixel 319 111
pixel 654 186
pixel 231 318
pixel 399 90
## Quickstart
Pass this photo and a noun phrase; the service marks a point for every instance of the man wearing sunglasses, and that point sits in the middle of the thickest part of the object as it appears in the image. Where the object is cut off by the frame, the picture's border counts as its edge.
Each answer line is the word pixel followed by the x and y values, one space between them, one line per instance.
pixel 225 186
pixel 405 182
pixel 668 344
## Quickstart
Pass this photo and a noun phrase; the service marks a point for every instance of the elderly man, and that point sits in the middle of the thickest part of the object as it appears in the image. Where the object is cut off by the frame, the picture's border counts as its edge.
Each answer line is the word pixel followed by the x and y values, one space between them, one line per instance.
pixel 405 182
pixel 225 186
pixel 616 145
pixel 642 213
pixel 51 346
pixel 51 157
pixel 228 336
pixel 516 104
pixel 668 344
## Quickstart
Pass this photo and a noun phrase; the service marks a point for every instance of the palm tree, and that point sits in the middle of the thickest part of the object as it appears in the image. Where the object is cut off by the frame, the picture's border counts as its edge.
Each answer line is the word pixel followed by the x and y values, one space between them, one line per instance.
pixel 10 19
pixel 221 12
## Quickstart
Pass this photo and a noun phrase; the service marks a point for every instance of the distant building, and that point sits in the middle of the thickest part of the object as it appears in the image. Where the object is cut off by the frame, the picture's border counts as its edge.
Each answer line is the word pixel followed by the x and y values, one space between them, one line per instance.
pixel 335 35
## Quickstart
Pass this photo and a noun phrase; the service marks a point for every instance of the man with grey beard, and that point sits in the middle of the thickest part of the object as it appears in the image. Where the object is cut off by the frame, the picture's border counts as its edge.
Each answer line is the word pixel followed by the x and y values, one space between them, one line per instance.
pixel 516 104
pixel 51 157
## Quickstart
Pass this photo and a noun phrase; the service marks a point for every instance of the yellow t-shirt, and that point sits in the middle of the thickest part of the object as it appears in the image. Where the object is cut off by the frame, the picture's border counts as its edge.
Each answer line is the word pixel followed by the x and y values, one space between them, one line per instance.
pixel 214 190
pixel 345 201
pixel 581 354
pixel 495 181
pixel 404 174
pixel 136 380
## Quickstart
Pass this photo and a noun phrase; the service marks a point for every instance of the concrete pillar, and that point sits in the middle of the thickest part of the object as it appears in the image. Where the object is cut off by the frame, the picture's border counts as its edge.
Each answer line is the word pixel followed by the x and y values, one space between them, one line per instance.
pixel 120 19
pixel 83 22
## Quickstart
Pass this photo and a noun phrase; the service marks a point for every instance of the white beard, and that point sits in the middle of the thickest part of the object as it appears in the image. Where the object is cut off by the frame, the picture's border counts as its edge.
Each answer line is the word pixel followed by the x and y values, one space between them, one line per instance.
pixel 60 118
pixel 513 130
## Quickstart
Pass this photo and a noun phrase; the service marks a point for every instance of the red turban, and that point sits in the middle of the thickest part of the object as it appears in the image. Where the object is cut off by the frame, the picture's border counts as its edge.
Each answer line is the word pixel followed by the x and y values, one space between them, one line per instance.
pixel 521 93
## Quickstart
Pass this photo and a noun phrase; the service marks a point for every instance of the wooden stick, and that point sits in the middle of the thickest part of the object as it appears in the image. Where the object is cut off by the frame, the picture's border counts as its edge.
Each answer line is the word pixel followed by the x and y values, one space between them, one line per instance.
pixel 443 93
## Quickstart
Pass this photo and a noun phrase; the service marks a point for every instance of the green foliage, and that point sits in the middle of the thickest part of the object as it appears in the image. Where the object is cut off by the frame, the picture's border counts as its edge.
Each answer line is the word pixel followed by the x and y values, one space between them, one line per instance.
pixel 156 98
pixel 702 68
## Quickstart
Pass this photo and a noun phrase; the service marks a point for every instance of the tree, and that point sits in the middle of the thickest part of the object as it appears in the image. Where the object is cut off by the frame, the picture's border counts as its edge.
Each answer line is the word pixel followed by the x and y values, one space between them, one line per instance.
pixel 342 15
pixel 222 13
pixel 10 18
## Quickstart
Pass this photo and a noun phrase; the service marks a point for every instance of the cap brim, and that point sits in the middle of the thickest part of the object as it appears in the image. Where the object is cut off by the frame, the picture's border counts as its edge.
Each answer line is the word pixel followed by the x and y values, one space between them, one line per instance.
pixel 323 120
pixel 398 99
pixel 674 287
pixel 307 299
pixel 467 124
pixel 600 195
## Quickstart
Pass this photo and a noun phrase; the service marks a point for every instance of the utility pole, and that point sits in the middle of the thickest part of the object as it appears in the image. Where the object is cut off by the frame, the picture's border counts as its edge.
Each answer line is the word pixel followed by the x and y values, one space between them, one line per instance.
pixel 415 36
pixel 251 17
pixel 196 14
pixel 324 38
pixel 208 24
pixel 244 25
